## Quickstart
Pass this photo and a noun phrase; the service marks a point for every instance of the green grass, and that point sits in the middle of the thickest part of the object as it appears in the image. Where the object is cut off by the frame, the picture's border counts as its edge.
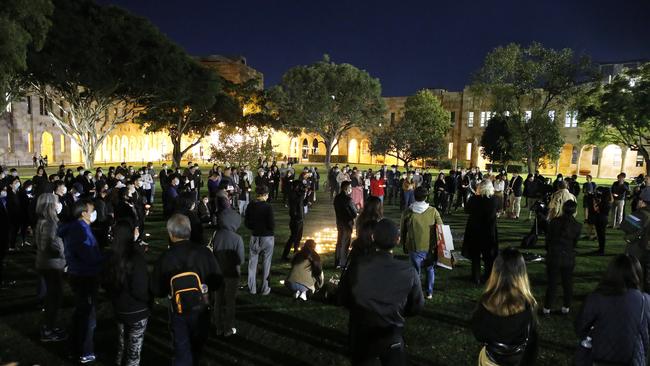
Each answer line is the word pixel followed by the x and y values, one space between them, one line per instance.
pixel 274 330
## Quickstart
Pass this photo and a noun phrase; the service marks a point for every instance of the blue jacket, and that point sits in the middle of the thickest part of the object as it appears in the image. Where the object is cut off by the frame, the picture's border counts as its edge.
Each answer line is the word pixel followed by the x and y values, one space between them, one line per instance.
pixel 82 253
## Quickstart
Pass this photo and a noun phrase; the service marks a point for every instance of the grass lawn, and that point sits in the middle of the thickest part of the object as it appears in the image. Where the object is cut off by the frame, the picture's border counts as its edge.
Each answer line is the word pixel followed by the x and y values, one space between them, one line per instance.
pixel 275 330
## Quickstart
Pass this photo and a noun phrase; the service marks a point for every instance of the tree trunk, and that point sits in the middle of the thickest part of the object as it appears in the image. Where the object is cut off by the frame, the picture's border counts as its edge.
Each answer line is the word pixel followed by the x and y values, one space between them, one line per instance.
pixel 89 157
pixel 646 158
pixel 328 154
pixel 177 154
pixel 532 166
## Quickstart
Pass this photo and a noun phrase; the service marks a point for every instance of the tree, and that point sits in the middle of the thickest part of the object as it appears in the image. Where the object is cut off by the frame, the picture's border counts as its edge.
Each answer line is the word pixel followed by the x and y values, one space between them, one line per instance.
pixel 99 66
pixel 420 134
pixel 619 112
pixel 197 102
pixel 23 26
pixel 241 146
pixel 499 140
pixel 536 79
pixel 328 99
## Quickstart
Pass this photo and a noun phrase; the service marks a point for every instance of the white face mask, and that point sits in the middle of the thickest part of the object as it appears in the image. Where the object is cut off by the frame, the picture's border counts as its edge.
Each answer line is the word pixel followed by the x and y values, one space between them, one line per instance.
pixel 136 234
pixel 64 190
pixel 77 194
pixel 58 208
pixel 93 216
pixel 16 186
pixel 28 189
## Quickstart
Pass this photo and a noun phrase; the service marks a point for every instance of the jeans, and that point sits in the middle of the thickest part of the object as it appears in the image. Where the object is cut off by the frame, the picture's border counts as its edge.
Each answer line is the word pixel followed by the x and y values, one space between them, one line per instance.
pixel 260 246
pixel 295 286
pixel 619 212
pixel 130 339
pixel 343 240
pixel 53 279
pixel 224 310
pixel 189 334
pixel 409 198
pixel 417 258
pixel 296 227
pixel 84 318
pixel 554 273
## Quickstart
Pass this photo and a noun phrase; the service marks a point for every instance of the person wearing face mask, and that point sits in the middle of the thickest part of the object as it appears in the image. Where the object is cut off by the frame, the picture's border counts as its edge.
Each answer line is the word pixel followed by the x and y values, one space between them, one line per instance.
pixel 4 235
pixel 50 263
pixel 61 192
pixel 15 210
pixel 408 186
pixel 88 185
pixel 203 210
pixel 418 179
pixel 105 215
pixel 244 192
pixel 345 212
pixel 28 204
pixel 377 186
pixel 296 219
pixel 84 260
pixel 169 197
pixel 186 205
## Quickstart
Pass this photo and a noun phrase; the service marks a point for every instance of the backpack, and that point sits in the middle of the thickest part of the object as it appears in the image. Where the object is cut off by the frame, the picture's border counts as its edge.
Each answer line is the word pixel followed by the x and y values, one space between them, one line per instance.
pixel 187 291
pixel 636 228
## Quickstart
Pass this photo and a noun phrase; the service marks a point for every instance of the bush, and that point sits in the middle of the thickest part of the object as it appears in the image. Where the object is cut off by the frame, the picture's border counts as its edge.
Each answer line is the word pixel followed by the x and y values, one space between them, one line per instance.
pixel 333 158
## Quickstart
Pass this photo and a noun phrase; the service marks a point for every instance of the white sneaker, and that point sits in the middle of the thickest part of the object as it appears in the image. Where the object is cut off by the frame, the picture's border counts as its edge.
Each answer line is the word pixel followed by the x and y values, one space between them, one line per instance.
pixel 565 310
pixel 230 332
pixel 295 296
pixel 546 311
pixel 303 296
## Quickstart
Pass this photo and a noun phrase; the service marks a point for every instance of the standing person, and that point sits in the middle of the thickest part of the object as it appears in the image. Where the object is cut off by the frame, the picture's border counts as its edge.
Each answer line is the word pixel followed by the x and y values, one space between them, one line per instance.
pixel 499 186
pixel 306 272
pixel 588 190
pixel 50 263
pixel 260 220
pixel 274 182
pixel 418 236
pixel 408 187
pixel 440 192
pixel 481 237
pixel 377 186
pixel 4 235
pixel 190 317
pixel 332 181
pixel 170 196
pixel 164 177
pixel 599 215
pixel 287 186
pixel 504 320
pixel 530 192
pixel 357 189
pixel 391 184
pixel 228 249
pixel 562 235
pixel 296 219
pixel 126 281
pixel 152 173
pixel 244 192
pixel 380 292
pixel 558 199
pixel 452 185
pixel 345 212
pixel 615 320
pixel 620 192
pixel 516 191
pixel 638 236
pixel 84 261
pixel 147 185
pixel 15 210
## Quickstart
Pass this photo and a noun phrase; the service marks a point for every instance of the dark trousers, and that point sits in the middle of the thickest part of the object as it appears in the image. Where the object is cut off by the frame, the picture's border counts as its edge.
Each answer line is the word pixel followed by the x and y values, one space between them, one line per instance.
pixel 148 195
pixel 488 256
pixel 130 339
pixel 390 194
pixel 343 239
pixel 295 237
pixel 369 347
pixel 601 230
pixel 84 318
pixel 189 334
pixel 334 189
pixel 224 311
pixel 53 279
pixel 450 201
pixel 4 246
pixel 555 273
pixel 13 234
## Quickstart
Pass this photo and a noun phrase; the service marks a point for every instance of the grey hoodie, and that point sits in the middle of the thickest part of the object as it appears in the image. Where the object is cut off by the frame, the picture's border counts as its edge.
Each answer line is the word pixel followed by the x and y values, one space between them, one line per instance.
pixel 227 245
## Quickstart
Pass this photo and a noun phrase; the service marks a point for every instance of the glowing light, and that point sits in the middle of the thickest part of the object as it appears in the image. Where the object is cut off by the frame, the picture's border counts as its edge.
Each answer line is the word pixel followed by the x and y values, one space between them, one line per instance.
pixel 325 240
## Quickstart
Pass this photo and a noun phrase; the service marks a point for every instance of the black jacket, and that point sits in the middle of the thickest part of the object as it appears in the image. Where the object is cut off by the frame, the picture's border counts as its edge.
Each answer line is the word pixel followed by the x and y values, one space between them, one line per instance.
pixel 259 219
pixel 175 260
pixel 562 235
pixel 381 291
pixel 345 210
pixel 481 229
pixel 516 185
pixel 131 300
pixel 296 205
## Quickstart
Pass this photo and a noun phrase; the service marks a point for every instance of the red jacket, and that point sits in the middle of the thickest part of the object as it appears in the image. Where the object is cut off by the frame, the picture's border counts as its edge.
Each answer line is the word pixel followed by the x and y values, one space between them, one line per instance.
pixel 377 187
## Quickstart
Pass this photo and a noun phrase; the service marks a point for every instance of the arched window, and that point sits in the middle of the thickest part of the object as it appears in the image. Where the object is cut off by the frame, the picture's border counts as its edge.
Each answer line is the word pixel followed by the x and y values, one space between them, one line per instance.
pixel 305 149
pixel 574 155
pixel 314 147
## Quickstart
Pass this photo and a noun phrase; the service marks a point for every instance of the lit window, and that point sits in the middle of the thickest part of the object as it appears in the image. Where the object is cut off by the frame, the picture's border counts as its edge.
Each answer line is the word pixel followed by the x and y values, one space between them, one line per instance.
pixel 470 119
pixel 574 155
pixel 571 119
pixel 468 151
pixel 595 155
pixel 450 153
pixel 483 118
pixel 41 106
pixel 29 104
pixel 639 160
pixel 551 115
pixel 9 142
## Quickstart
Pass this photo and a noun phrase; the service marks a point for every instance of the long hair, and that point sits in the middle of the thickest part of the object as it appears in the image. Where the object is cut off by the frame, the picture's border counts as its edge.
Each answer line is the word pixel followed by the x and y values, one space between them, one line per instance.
pixel 46 207
pixel 120 264
pixel 373 210
pixel 308 252
pixel 623 273
pixel 508 290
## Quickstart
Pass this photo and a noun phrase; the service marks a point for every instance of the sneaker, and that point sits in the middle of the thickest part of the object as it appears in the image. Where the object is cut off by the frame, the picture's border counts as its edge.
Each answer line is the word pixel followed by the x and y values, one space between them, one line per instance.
pixel 230 332
pixel 296 295
pixel 546 312
pixel 268 291
pixel 303 296
pixel 87 358
pixel 565 311
pixel 430 296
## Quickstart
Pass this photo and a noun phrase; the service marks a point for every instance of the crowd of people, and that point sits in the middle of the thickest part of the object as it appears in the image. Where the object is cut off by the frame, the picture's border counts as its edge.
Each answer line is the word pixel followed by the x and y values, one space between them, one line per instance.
pixel 88 230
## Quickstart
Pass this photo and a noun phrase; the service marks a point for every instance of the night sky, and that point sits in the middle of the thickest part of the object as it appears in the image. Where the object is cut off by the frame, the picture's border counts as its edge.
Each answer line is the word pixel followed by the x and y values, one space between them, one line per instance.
pixel 408 45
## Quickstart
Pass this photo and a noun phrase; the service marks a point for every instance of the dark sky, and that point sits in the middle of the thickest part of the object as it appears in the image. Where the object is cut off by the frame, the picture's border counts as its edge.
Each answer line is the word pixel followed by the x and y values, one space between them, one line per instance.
pixel 408 45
